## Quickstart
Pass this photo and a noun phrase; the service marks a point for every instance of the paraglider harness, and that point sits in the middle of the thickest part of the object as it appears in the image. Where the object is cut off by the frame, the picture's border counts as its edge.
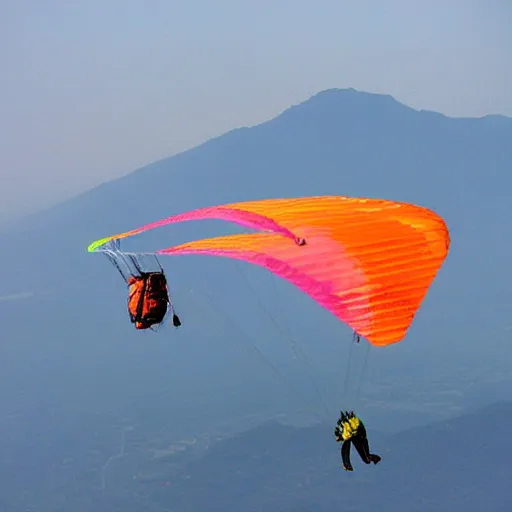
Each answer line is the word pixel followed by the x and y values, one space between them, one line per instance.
pixel 151 287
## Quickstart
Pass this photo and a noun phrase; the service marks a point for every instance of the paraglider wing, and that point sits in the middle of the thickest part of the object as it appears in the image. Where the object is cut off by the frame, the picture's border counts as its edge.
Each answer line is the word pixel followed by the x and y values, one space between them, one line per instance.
pixel 369 266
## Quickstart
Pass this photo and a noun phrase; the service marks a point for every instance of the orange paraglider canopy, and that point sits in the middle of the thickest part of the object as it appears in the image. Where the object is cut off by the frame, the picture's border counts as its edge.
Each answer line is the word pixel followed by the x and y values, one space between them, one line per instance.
pixel 369 262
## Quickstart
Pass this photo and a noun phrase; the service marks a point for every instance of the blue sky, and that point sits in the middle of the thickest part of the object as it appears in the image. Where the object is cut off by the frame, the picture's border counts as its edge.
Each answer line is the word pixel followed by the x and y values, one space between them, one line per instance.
pixel 98 88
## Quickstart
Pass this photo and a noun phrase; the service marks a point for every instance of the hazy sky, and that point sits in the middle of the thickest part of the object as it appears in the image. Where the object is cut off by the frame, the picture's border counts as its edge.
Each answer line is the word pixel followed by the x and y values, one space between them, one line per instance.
pixel 93 89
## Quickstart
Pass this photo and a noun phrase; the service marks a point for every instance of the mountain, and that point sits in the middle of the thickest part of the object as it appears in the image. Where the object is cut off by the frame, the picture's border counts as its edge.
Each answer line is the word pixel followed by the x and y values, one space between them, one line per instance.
pixel 251 345
pixel 456 464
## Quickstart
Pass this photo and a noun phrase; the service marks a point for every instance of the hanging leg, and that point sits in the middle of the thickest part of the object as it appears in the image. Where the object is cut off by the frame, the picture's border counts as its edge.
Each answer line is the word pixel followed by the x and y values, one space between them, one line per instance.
pixel 345 455
pixel 363 449
pixel 361 445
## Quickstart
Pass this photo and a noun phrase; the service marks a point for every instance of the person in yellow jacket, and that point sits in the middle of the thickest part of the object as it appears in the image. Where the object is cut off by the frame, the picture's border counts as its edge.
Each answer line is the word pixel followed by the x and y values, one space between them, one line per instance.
pixel 350 429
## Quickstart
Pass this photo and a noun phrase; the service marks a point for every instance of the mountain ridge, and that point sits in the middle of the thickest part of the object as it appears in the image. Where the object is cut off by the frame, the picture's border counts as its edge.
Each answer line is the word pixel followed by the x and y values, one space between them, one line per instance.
pixel 365 104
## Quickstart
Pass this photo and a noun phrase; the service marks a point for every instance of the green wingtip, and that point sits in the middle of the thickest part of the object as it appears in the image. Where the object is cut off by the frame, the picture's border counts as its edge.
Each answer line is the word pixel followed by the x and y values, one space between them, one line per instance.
pixel 92 247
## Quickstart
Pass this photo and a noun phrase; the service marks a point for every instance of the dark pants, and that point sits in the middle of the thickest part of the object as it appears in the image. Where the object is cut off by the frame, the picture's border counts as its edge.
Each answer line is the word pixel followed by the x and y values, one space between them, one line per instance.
pixel 360 441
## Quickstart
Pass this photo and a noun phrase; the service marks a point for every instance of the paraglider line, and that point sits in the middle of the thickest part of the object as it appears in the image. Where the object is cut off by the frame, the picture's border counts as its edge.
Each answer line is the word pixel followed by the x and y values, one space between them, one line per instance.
pixel 252 346
pixel 296 349
pixel 363 371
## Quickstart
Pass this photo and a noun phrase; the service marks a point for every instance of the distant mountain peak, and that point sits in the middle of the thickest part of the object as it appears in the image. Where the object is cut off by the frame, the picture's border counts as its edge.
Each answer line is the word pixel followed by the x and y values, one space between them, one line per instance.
pixel 347 102
pixel 350 95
